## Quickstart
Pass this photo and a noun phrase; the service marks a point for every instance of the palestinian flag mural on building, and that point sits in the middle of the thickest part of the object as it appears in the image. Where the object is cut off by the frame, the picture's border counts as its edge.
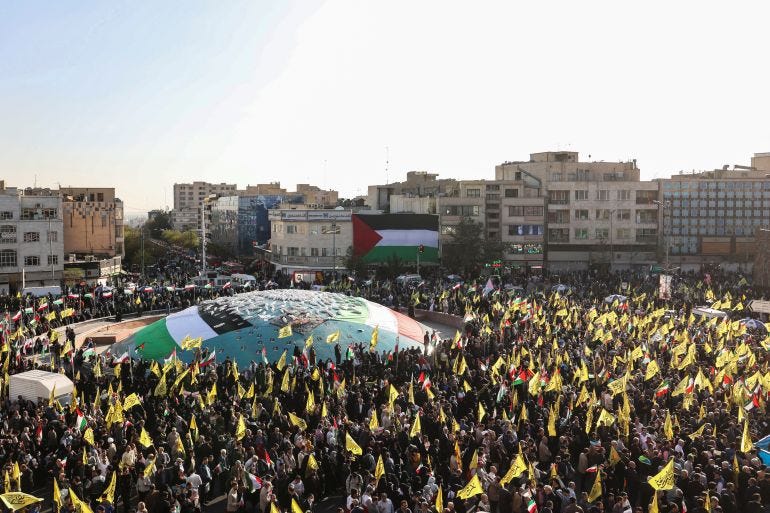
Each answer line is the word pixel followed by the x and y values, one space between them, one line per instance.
pixel 379 237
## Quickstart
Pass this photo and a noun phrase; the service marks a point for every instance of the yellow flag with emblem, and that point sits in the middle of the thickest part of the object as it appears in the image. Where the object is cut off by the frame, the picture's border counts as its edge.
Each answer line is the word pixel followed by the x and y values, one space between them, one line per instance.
pixel 144 439
pixel 746 445
pixel 373 424
pixel 281 361
pixel 665 479
pixel 416 427
pixel 471 489
pixel 440 500
pixel 352 446
pixel 481 413
pixel 333 337
pixel 240 430
pixel 285 331
pixel 596 488
pixel 109 492
pixel 379 470
pixel 518 467
pixel 296 421
pixel 18 500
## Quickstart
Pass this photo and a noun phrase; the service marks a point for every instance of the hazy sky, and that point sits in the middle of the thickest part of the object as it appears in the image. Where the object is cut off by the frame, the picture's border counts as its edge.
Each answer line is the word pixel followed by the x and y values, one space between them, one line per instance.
pixel 139 95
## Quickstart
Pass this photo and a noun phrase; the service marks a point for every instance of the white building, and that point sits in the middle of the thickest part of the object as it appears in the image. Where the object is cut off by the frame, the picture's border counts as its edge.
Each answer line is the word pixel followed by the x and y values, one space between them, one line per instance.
pixel 309 240
pixel 31 240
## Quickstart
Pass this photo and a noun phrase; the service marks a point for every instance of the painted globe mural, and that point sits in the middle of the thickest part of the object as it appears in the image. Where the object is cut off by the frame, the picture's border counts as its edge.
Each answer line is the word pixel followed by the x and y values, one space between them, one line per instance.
pixel 240 326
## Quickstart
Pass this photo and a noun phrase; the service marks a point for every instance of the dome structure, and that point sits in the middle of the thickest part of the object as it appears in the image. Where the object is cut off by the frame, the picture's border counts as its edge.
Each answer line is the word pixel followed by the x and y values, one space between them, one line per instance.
pixel 240 326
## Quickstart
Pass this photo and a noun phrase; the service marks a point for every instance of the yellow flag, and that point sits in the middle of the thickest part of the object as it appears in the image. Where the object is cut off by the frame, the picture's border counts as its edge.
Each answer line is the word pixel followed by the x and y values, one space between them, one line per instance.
pixel 296 421
pixel 668 428
pixel 652 370
pixel 664 480
pixel 131 401
pixel 19 500
pixel 285 331
pixel 596 489
pixel 212 395
pixel 416 428
pixel 352 446
pixel 240 430
pixel 144 439
pixel 52 396
pixel 472 489
pixel 309 342
pixel 150 468
pixel 88 436
pixel 281 361
pixel 373 424
pixel 375 337
pixel 746 444
pixel 482 413
pixel 334 337
pixel 440 500
pixel 109 492
pixel 474 463
pixel 379 470
pixel 295 507
pixel 57 495
pixel 614 456
pixel 518 467
pixel 310 404
pixel 654 504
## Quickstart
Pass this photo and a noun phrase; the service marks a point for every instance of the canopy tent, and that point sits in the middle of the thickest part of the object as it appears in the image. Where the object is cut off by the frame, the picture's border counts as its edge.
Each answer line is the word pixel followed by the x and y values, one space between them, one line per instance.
pixel 37 384
pixel 240 326
pixel 705 311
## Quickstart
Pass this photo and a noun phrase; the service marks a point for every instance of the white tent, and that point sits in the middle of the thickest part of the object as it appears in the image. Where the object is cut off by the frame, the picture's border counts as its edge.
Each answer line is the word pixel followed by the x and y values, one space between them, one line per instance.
pixel 705 311
pixel 37 384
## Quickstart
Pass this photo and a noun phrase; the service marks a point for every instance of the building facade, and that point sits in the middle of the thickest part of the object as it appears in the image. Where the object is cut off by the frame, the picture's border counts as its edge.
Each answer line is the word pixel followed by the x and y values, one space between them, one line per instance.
pixel 306 240
pixel 418 184
pixel 31 239
pixel 240 223
pixel 93 221
pixel 711 218
pixel 191 195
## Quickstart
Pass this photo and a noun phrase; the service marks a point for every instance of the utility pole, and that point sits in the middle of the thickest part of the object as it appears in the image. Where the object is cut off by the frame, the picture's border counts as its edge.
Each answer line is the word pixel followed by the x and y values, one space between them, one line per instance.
pixel 662 206
pixel 334 250
pixel 50 248
pixel 203 238
pixel 142 246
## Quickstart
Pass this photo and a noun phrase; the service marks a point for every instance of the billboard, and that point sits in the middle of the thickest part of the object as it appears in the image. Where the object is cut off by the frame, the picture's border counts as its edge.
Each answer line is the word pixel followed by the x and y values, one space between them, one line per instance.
pixel 378 237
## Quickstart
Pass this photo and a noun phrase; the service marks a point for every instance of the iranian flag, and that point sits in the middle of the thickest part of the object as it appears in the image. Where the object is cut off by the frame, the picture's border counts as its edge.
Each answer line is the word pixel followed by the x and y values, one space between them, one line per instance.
pixel 16 317
pixel 80 422
pixel 531 506
pixel 663 389
pixel 252 482
pixel 376 238
pixel 211 358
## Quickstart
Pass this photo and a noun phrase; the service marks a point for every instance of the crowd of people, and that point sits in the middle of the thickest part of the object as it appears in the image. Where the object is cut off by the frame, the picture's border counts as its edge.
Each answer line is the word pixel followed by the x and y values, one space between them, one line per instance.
pixel 551 399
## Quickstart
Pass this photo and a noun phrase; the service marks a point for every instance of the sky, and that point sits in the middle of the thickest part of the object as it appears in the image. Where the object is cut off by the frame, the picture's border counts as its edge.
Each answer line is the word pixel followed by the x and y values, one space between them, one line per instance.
pixel 139 95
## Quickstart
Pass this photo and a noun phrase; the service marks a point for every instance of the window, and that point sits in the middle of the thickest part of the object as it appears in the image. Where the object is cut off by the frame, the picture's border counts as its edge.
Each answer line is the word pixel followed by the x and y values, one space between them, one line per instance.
pixel 462 210
pixel 602 214
pixel 581 233
pixel 647 235
pixel 313 252
pixel 581 195
pixel 325 252
pixel 291 228
pixel 292 251
pixel 525 229
pixel 32 260
pixel 7 258
pixel 559 198
pixel 581 215
pixel 623 233
pixel 526 249
pixel 511 193
pixel 494 187
pixel 7 234
pixel 624 195
pixel 602 233
pixel 31 236
pixel 6 215
pixel 623 214
pixel 603 195
pixel 53 259
pixel 29 214
pixel 99 196
pixel 519 211
pixel 558 234
pixel 473 193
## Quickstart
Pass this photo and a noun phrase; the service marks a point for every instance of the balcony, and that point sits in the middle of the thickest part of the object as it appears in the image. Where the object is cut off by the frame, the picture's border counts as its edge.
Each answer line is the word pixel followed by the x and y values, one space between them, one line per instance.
pixel 558 201
pixel 646 239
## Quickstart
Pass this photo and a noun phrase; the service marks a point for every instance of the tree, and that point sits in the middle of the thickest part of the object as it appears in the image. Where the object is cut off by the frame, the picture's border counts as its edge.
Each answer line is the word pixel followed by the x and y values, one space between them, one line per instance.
pixel 393 267
pixel 467 250
pixel 161 221
pixel 354 263
pixel 187 239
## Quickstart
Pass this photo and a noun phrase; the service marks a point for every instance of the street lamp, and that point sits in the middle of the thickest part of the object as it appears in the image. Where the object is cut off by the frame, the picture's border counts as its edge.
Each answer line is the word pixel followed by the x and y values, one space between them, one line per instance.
pixel 662 206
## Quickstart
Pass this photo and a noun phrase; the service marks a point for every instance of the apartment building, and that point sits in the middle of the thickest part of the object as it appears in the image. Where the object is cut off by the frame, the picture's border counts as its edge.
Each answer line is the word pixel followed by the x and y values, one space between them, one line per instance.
pixel 31 239
pixel 308 240
pixel 597 214
pixel 93 221
pixel 240 223
pixel 418 184
pixel 712 217
pixel 188 202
